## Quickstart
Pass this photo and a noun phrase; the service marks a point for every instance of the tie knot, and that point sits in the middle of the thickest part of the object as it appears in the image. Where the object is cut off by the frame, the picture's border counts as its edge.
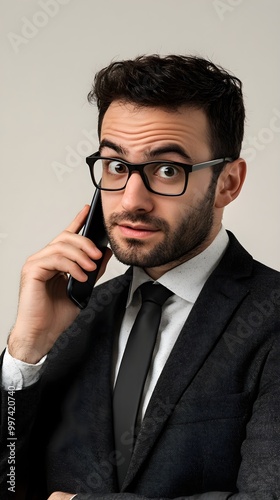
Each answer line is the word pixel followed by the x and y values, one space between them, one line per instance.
pixel 154 293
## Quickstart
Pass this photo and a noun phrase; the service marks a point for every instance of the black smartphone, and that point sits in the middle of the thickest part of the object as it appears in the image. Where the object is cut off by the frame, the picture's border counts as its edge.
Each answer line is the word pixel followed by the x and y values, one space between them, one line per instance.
pixel 94 229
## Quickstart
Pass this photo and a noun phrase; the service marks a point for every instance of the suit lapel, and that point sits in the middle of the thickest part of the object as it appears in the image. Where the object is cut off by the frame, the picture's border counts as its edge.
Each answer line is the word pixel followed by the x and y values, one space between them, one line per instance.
pixel 207 321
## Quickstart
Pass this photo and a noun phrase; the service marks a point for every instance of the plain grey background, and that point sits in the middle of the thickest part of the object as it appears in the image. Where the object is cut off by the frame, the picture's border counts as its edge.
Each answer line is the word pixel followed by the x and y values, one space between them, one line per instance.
pixel 50 51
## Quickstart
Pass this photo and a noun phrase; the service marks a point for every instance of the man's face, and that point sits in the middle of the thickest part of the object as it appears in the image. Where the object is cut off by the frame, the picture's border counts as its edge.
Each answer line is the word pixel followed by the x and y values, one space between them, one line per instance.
pixel 149 230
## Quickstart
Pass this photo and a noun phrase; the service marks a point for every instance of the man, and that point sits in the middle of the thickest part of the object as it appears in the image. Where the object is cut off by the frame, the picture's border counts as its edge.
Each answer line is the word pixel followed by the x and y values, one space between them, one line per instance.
pixel 208 418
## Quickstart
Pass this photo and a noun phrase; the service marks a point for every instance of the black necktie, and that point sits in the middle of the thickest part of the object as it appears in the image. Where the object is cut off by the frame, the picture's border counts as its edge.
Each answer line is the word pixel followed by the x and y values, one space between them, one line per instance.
pixel 133 371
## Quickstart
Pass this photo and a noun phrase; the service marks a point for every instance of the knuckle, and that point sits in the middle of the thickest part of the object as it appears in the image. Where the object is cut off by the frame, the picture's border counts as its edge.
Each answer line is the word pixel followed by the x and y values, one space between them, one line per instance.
pixel 26 267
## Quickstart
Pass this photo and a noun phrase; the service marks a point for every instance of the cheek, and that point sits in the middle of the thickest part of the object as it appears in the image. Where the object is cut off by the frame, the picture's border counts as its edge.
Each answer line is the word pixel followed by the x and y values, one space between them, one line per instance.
pixel 111 202
pixel 198 186
pixel 173 212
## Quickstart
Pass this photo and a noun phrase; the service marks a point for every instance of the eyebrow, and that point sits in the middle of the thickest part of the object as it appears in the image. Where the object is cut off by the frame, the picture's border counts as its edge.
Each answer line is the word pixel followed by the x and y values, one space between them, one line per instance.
pixel 154 153
pixel 169 148
pixel 111 145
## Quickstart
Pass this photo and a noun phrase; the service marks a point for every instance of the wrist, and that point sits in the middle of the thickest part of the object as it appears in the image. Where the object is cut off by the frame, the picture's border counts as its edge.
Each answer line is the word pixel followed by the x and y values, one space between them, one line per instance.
pixel 24 351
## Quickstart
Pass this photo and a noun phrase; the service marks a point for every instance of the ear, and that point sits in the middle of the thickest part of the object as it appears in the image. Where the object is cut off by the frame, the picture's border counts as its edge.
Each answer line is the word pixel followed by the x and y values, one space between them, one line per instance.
pixel 230 182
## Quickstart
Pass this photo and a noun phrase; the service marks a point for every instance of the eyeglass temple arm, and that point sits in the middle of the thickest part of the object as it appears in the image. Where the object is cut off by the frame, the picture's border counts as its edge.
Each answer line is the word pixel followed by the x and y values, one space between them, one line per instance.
pixel 211 163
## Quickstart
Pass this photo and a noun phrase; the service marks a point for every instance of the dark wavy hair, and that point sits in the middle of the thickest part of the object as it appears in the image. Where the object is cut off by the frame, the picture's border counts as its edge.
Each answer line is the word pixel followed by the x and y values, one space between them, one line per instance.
pixel 173 81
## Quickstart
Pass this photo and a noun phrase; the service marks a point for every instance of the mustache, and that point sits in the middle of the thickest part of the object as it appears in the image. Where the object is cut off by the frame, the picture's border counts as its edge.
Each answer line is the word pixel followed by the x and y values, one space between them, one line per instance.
pixel 125 217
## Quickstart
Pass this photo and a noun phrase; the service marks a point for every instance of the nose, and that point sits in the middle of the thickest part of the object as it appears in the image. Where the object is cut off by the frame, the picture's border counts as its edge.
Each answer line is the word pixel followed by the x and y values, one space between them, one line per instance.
pixel 136 197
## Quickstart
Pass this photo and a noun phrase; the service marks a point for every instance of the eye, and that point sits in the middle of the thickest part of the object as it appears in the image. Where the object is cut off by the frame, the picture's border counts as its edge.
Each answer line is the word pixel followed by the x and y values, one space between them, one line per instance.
pixel 167 171
pixel 116 167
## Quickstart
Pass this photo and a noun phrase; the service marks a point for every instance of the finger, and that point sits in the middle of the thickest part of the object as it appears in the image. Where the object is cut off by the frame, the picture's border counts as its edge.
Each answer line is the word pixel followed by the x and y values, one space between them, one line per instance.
pixel 69 245
pixel 76 242
pixel 77 224
pixel 59 495
pixel 60 257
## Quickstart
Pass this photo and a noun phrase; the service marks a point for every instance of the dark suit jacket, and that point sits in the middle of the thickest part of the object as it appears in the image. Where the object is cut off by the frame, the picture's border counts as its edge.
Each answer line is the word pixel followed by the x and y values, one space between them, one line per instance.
pixel 212 427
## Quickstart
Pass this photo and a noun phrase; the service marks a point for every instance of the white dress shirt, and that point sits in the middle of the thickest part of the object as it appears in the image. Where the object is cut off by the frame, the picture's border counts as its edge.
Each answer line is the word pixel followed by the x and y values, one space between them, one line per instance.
pixel 185 281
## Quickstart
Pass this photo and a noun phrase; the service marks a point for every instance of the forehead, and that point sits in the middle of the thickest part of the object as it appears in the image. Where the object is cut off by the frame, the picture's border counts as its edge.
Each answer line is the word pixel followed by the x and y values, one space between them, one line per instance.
pixel 140 129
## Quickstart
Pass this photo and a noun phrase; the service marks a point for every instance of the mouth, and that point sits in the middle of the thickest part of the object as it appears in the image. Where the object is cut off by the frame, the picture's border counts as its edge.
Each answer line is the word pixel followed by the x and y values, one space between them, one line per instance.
pixel 141 231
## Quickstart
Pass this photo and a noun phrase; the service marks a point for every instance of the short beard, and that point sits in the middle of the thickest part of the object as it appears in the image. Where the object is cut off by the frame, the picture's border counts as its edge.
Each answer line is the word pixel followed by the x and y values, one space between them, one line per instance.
pixel 177 246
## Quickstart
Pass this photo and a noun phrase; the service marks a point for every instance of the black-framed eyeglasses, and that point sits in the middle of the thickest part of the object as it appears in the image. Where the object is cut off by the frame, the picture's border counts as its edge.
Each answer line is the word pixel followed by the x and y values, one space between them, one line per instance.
pixel 167 178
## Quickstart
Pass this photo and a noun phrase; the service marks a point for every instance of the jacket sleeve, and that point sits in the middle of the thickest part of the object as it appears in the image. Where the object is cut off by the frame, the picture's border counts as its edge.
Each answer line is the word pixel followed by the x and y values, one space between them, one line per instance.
pixel 18 414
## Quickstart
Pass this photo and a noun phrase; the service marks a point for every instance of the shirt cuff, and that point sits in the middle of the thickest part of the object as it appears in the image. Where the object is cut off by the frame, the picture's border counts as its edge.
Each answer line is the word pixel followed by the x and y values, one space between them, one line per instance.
pixel 18 374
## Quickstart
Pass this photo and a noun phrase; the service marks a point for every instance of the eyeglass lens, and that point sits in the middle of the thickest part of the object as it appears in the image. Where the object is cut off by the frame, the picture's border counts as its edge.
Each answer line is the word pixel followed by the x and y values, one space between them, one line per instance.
pixel 161 177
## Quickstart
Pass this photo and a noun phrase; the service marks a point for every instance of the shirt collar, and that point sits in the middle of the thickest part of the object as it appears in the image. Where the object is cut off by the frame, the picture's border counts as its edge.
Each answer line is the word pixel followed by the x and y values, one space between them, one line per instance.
pixel 187 279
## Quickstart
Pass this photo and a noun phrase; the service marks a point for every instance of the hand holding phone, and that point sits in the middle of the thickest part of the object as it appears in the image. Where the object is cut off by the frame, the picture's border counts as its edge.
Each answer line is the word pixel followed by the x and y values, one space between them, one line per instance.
pixel 94 229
